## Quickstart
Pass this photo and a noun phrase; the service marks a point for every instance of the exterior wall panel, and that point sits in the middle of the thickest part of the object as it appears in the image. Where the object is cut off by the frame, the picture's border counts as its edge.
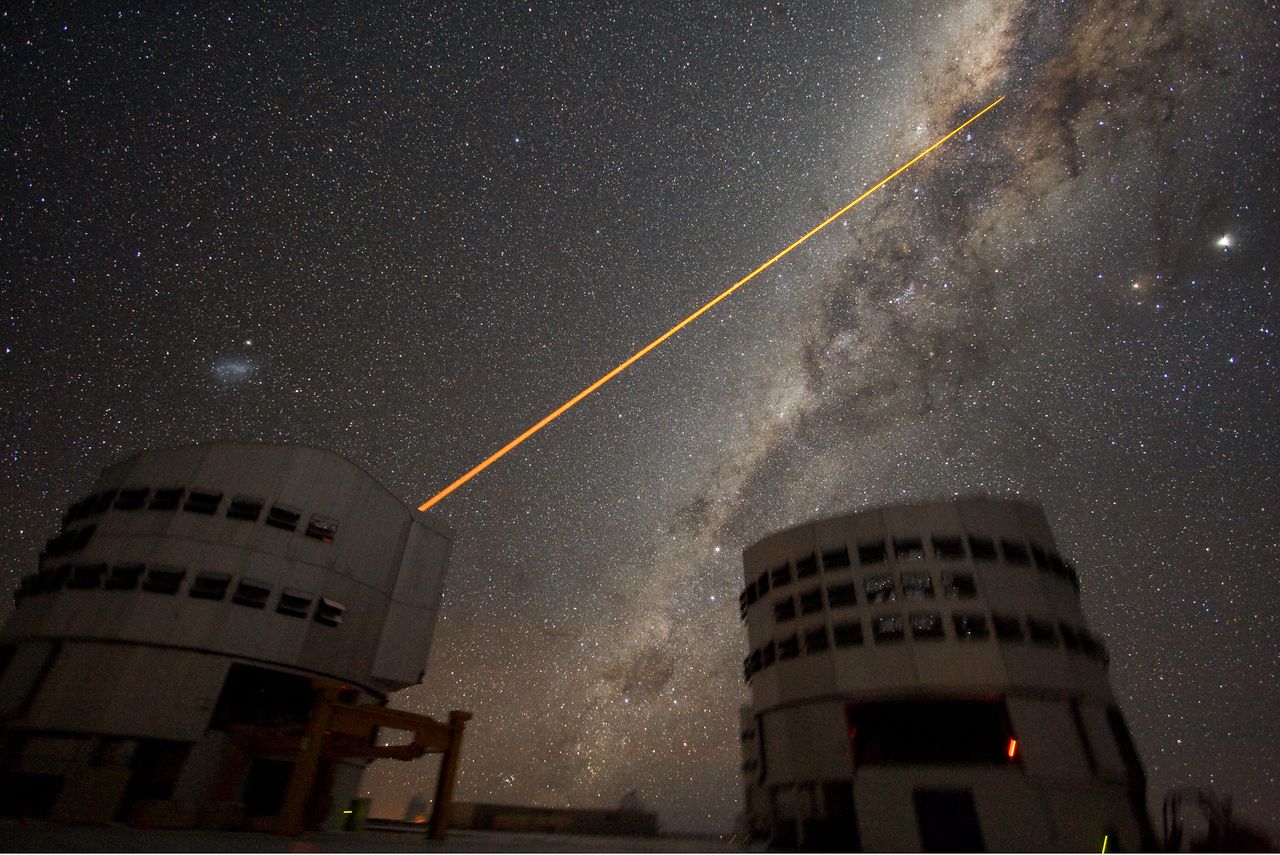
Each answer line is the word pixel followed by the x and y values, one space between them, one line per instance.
pixel 107 663
pixel 967 580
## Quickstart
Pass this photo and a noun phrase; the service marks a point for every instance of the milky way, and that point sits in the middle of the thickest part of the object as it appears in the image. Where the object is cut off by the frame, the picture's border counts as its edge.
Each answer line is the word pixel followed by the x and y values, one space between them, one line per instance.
pixel 432 227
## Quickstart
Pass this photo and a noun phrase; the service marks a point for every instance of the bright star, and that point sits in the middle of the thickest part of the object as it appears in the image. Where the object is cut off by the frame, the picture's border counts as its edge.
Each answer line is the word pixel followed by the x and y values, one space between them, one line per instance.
pixel 1225 242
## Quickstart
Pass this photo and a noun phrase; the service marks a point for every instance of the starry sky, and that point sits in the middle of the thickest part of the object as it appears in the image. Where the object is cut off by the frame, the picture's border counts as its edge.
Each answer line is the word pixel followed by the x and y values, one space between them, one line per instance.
pixel 406 234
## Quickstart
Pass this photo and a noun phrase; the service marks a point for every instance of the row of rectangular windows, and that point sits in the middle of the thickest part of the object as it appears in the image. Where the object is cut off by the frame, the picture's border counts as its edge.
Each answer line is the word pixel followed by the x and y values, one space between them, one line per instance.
pixel 206 502
pixel 876 552
pixel 880 588
pixel 167 579
pixel 925 626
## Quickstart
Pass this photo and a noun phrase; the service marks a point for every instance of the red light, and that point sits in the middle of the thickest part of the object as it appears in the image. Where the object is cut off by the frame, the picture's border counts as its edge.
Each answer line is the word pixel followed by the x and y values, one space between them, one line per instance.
pixel 1013 748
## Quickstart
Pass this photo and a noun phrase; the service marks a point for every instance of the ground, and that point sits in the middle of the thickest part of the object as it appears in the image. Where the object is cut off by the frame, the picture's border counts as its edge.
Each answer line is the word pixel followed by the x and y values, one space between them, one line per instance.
pixel 33 837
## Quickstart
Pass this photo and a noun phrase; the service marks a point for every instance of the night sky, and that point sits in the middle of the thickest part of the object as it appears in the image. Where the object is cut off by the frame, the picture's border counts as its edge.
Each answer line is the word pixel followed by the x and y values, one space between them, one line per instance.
pixel 407 234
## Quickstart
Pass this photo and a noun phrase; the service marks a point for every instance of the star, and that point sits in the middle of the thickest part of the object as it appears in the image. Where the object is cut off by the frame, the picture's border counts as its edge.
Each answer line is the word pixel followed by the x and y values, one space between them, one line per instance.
pixel 423 292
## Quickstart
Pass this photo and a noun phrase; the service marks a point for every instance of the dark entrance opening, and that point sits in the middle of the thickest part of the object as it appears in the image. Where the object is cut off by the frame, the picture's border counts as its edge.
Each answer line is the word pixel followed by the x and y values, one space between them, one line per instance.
pixel 264 786
pixel 263 697
pixel 29 794
pixel 153 772
pixel 939 733
pixel 948 821
pixel 836 830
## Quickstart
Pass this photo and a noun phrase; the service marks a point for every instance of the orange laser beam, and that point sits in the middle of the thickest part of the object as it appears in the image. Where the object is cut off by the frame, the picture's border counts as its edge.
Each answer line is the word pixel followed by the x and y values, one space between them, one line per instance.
pixel 623 366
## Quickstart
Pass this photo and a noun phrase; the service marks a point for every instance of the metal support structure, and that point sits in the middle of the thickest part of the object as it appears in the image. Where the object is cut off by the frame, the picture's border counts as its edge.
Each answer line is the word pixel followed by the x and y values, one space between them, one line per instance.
pixel 292 817
pixel 339 731
pixel 448 775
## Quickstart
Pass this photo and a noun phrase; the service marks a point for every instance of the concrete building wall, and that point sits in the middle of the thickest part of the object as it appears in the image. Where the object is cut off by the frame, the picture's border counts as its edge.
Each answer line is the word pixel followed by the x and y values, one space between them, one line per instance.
pixel 964 615
pixel 128 690
pixel 383 564
pixel 178 566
